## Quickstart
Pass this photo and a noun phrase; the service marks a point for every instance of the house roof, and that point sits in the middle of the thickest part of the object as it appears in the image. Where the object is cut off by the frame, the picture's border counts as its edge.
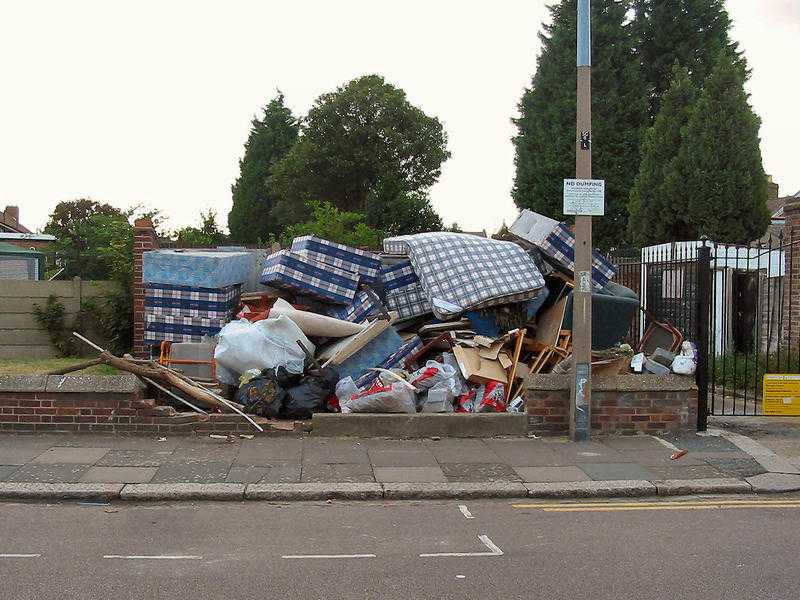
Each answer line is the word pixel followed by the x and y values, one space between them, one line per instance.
pixel 9 221
pixel 776 204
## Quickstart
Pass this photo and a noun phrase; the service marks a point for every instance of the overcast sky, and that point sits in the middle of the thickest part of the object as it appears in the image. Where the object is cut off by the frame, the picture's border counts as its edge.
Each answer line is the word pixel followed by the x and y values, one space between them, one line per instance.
pixel 150 102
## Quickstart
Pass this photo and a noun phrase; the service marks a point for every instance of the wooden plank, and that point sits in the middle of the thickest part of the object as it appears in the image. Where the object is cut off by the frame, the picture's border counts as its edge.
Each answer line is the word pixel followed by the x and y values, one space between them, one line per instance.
pixel 549 323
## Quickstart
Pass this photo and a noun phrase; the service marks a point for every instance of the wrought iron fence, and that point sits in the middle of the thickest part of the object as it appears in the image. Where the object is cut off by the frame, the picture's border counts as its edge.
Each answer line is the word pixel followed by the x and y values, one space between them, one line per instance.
pixel 735 302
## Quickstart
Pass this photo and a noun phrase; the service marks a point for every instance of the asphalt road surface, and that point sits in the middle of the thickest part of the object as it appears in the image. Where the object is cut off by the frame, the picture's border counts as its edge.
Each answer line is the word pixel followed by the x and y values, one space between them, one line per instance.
pixel 727 547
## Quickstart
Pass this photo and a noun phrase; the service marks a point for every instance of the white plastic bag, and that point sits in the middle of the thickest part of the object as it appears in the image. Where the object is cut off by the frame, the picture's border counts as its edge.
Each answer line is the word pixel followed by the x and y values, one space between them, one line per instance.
pixel 432 374
pixel 684 365
pixel 346 389
pixel 396 397
pixel 440 397
pixel 637 362
pixel 266 344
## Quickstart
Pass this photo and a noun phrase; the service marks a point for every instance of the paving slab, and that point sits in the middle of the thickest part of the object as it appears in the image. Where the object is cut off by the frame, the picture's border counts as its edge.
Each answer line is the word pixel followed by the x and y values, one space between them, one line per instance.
pixel 591 489
pixel 314 491
pixel 119 475
pixel 632 442
pixel 660 458
pixel 409 474
pixel 345 473
pixel 687 472
pixel 249 474
pixel 551 474
pixel 334 451
pixel 63 455
pixel 739 467
pixel 616 471
pixel 402 458
pixel 47 473
pixel 135 458
pixel 587 452
pixel 267 451
pixel 461 451
pixel 774 483
pixel 7 470
pixel 19 455
pixel 777 464
pixel 524 453
pixel 219 452
pixel 479 472
pixel 706 443
pixel 384 444
pixel 182 491
pixel 282 473
pixel 192 472
pixel 451 490
pixel 685 487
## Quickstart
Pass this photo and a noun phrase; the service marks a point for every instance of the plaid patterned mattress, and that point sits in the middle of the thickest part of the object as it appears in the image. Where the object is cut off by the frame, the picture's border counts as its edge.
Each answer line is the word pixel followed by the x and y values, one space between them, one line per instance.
pixel 559 247
pixel 344 257
pixel 160 327
pixel 404 294
pixel 302 274
pixel 364 304
pixel 458 272
pixel 189 301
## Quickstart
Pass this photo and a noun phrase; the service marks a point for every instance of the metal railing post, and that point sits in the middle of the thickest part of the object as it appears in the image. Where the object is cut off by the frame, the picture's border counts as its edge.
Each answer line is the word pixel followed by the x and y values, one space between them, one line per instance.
pixel 703 309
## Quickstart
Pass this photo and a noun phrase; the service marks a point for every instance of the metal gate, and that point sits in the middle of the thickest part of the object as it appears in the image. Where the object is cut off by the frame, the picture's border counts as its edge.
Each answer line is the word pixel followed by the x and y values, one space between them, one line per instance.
pixel 734 301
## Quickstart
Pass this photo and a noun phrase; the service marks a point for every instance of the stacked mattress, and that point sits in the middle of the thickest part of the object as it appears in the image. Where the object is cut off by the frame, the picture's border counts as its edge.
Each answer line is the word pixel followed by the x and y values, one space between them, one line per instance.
pixel 191 294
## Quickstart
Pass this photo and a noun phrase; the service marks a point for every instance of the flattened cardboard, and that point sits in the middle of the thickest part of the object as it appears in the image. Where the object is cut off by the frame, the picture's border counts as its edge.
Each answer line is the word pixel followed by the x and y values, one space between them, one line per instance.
pixel 476 369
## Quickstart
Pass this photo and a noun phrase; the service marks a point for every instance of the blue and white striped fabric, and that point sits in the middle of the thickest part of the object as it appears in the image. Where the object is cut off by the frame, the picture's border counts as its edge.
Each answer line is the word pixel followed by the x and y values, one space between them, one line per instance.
pixel 559 247
pixel 363 305
pixel 195 302
pixel 358 261
pixel 404 294
pixel 196 268
pixel 394 360
pixel 305 275
pixel 159 327
pixel 460 272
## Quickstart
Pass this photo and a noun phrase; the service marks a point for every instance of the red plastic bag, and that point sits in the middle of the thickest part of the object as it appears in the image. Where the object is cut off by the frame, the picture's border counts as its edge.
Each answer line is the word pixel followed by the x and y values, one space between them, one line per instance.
pixel 491 397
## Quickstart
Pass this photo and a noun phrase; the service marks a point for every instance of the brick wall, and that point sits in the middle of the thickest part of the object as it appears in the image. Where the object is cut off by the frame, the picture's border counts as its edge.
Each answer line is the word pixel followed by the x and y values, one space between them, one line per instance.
pixel 38 404
pixel 624 404
pixel 791 287
pixel 145 239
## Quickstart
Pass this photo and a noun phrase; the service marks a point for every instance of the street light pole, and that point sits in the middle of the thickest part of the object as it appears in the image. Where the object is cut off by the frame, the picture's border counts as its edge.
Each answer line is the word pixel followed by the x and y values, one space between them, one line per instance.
pixel 581 389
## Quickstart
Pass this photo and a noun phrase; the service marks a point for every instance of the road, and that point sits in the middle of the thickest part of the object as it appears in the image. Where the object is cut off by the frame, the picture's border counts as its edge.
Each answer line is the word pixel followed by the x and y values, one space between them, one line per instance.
pixel 702 549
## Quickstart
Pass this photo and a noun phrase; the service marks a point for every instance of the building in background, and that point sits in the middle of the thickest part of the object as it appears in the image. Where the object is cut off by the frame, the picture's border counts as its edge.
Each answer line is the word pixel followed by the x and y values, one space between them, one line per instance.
pixel 15 233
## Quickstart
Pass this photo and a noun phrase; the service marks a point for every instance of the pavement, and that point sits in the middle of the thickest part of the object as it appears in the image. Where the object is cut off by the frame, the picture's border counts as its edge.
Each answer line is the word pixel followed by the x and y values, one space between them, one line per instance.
pixel 691 548
pixel 48 466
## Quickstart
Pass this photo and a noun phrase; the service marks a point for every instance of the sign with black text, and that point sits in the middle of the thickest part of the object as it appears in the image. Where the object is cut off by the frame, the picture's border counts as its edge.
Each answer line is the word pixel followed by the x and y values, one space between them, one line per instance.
pixel 585 197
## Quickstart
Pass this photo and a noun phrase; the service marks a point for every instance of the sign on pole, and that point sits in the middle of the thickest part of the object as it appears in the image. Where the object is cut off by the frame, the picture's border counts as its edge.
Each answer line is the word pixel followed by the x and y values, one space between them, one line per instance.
pixel 585 197
pixel 781 394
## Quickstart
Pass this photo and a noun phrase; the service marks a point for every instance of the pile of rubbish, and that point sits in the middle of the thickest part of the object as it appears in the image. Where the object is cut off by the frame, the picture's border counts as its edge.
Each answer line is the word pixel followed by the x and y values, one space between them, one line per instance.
pixel 436 322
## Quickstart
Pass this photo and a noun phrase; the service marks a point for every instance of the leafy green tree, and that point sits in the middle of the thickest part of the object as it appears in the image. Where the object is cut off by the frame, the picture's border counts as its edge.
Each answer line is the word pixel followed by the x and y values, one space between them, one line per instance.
pixel 207 236
pixel 270 139
pixel 330 223
pixel 545 142
pixel 84 230
pixel 357 143
pixel 719 163
pixel 397 212
pixel 658 202
pixel 691 32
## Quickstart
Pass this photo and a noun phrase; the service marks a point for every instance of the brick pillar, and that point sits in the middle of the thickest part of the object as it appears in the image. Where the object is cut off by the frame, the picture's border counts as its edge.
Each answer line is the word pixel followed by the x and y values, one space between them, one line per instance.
pixel 790 321
pixel 144 239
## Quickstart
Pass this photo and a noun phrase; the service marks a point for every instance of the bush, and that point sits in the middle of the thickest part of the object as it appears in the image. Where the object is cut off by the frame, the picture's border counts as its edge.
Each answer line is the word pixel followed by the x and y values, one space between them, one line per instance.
pixel 737 371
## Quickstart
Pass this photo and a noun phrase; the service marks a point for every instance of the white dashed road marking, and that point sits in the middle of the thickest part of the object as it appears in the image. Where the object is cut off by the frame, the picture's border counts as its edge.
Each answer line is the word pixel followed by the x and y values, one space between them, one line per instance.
pixel 465 511
pixel 154 557
pixel 301 556
pixel 493 550
pixel 20 555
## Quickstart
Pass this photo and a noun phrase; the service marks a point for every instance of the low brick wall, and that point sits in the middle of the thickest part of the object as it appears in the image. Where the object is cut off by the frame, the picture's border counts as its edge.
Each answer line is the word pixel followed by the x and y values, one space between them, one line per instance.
pixel 75 403
pixel 622 404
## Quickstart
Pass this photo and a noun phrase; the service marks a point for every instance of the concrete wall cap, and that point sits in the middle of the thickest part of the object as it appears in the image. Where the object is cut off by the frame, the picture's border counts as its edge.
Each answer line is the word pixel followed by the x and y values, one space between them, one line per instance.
pixel 22 383
pixel 615 383
pixel 96 384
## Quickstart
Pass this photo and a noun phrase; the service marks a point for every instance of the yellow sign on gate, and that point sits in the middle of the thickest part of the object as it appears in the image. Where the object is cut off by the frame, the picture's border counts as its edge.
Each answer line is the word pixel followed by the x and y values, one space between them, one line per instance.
pixel 781 394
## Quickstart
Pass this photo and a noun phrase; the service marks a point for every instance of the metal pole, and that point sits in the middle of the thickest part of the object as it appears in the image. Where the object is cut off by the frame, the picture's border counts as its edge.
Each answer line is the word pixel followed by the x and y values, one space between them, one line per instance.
pixel 703 310
pixel 581 390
